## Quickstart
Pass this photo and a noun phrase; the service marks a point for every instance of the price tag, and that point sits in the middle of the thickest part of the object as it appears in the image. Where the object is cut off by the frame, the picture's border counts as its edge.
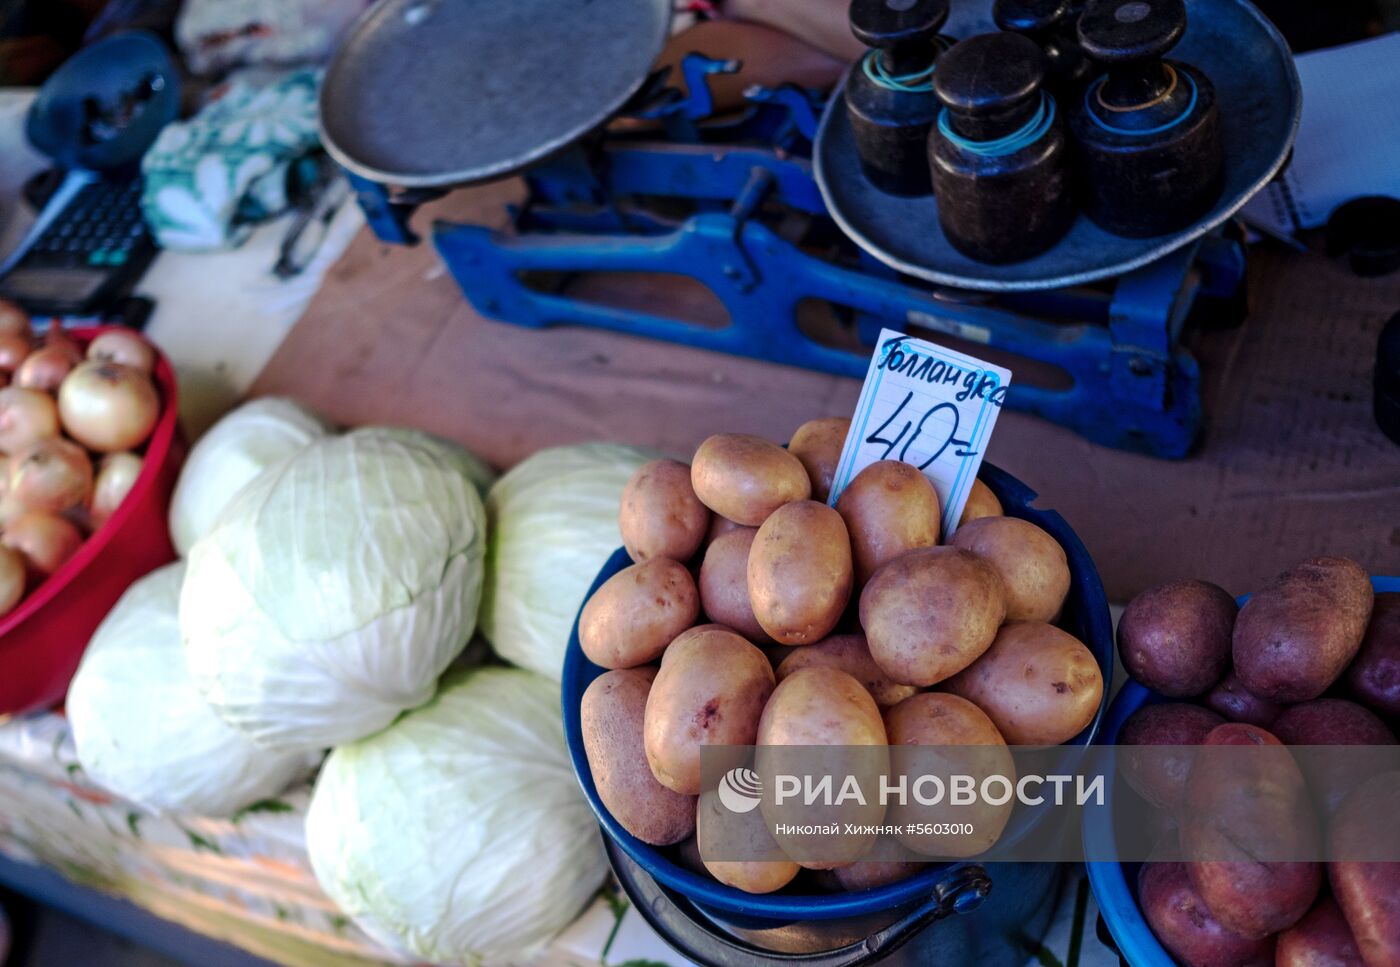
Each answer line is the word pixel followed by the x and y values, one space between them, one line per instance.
pixel 928 406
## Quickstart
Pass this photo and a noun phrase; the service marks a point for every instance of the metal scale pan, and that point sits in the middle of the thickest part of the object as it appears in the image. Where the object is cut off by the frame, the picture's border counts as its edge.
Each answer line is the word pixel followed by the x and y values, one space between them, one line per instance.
pixel 440 93
pixel 1260 100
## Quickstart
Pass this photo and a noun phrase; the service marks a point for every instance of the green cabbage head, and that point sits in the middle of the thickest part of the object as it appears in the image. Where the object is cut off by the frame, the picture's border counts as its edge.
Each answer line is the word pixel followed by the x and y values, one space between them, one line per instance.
pixel 143 731
pixel 458 835
pixel 335 589
pixel 553 526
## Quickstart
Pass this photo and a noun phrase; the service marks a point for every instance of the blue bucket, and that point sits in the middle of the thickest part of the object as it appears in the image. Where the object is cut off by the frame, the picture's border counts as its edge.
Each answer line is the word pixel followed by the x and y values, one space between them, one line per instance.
pixel 865 925
pixel 1115 884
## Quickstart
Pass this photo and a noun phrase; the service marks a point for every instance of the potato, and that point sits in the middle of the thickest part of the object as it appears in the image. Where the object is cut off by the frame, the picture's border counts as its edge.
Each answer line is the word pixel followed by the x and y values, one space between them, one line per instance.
pixel 611 713
pixel 850 654
pixel 719 526
pixel 1369 893
pixel 660 516
pixel 718 830
pixel 931 613
pixel 868 874
pixel 1159 775
pixel 1175 638
pixel 724 583
pixel 1032 564
pixel 746 478
pixel 1040 685
pixel 711 690
pixel 1374 675
pixel 818 444
pixel 889 508
pixel 631 619
pixel 1185 926
pixel 1236 703
pixel 1320 939
pixel 1335 721
pixel 981 502
pixel 1294 638
pixel 1238 810
pixel 800 573
pixel 938 719
pixel 823 707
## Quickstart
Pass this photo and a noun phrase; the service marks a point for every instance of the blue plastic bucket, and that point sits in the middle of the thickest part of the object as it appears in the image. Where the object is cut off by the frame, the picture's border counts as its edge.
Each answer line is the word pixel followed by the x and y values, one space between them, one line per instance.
pixel 1115 884
pixel 789 919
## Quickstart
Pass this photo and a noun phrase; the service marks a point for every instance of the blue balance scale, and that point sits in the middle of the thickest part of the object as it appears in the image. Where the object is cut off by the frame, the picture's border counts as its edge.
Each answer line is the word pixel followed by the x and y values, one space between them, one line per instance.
pixel 767 207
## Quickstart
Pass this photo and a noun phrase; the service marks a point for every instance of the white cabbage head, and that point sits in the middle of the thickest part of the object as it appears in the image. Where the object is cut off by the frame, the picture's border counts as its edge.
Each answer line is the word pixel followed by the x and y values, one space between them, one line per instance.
pixel 143 730
pixel 553 526
pixel 236 450
pixel 458 835
pixel 335 589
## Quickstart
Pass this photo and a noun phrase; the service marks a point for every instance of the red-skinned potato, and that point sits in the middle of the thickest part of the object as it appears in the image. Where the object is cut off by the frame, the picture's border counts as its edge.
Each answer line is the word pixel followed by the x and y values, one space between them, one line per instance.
pixel 1186 927
pixel 1159 776
pixel 659 514
pixel 850 654
pixel 611 716
pixel 1369 892
pixel 889 508
pixel 1175 638
pixel 711 690
pixel 724 583
pixel 631 619
pixel 746 478
pixel 981 502
pixel 1320 939
pixel 1235 703
pixel 1032 565
pixel 800 572
pixel 818 444
pixel 930 613
pixel 1295 637
pixel 1374 676
pixel 1239 808
pixel 1330 722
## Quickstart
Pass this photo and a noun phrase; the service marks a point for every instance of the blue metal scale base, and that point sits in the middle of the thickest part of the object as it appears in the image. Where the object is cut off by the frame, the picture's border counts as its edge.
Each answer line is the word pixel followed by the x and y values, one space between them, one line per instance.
pixel 734 205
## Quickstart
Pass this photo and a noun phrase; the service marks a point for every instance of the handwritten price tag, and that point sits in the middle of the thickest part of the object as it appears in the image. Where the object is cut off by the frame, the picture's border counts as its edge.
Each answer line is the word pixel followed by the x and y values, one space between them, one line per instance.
pixel 928 406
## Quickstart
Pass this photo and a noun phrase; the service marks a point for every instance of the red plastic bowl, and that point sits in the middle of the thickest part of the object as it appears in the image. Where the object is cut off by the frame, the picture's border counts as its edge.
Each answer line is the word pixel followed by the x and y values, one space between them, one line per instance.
pixel 42 640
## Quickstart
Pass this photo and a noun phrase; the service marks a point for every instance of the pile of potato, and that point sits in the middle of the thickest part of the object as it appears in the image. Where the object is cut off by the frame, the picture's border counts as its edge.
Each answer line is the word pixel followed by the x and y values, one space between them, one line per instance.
pixel 1311 660
pixel 755 614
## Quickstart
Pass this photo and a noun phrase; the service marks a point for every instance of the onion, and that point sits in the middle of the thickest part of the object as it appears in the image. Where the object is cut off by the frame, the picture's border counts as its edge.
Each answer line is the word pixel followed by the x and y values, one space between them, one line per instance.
pixel 15 320
pixel 26 415
pixel 44 369
pixel 13 350
pixel 115 478
pixel 44 540
pixel 107 407
pixel 11 579
pixel 51 474
pixel 125 348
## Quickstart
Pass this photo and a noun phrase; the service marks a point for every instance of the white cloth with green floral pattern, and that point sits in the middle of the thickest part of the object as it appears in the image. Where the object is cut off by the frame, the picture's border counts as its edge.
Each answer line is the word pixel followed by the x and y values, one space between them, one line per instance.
pixel 210 179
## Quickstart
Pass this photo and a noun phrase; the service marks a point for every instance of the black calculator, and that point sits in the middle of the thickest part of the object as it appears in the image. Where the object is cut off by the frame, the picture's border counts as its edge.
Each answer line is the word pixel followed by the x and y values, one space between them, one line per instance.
pixel 89 257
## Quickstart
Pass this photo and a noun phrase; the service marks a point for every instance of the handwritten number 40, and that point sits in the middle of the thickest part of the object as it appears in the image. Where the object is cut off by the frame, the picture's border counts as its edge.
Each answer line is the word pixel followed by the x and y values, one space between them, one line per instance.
pixel 951 439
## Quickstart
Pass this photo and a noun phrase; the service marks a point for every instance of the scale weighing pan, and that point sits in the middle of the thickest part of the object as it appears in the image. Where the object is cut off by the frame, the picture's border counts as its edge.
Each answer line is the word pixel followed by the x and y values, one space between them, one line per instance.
pixel 1260 101
pixel 438 93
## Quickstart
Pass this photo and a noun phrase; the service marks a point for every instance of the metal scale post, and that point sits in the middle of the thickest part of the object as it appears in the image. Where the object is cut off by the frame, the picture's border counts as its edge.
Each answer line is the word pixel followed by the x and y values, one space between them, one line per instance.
pixel 743 207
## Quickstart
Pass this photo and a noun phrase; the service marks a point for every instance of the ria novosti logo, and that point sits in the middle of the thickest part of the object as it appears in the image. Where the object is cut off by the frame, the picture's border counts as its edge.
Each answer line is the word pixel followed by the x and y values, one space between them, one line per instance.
pixel 740 790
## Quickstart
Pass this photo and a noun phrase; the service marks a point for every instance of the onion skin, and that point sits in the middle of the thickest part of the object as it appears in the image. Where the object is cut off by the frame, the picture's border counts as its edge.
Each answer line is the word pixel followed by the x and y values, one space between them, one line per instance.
pixel 124 348
pixel 14 349
pixel 44 369
pixel 44 540
pixel 108 408
pixel 52 474
pixel 26 415
pixel 14 319
pixel 115 478
pixel 12 579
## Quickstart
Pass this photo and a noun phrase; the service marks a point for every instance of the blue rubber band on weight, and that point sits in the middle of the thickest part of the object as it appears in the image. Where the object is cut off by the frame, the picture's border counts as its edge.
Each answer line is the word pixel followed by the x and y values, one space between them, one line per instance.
pixel 1023 137
pixel 919 82
pixel 1092 91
